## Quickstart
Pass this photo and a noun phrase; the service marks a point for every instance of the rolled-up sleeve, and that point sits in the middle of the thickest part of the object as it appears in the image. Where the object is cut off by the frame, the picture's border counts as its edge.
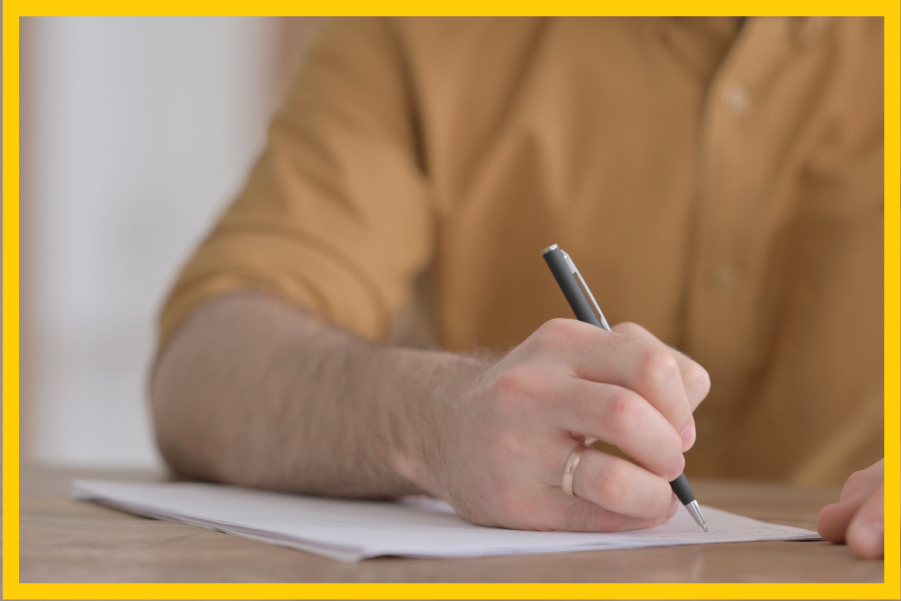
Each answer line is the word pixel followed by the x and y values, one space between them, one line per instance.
pixel 335 217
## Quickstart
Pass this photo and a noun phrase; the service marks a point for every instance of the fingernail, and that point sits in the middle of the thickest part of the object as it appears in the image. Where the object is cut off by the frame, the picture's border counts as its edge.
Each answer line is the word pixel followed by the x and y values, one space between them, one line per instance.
pixel 688 437
pixel 680 467
pixel 872 538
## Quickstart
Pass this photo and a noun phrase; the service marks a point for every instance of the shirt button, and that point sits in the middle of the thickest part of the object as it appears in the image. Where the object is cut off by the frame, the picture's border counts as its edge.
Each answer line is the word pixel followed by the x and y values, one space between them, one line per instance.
pixel 725 276
pixel 736 98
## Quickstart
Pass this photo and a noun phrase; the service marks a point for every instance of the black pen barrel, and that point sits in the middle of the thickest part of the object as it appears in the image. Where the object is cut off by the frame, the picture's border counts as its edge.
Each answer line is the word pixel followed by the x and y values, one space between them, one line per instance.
pixel 682 489
pixel 570 286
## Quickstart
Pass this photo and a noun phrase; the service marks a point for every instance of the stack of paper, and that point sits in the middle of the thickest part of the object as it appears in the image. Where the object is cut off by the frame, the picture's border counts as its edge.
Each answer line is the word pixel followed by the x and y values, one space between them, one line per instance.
pixel 350 530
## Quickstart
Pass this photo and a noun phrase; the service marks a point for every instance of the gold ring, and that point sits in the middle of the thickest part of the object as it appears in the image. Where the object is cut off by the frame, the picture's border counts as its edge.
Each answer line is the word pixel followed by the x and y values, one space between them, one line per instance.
pixel 571 464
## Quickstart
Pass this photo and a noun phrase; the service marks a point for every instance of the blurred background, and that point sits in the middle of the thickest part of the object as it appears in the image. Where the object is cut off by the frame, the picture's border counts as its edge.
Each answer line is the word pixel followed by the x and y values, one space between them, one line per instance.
pixel 135 134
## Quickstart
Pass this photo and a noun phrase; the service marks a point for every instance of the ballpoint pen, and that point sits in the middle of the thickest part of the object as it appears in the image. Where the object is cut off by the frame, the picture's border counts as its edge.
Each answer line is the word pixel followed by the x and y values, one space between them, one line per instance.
pixel 578 295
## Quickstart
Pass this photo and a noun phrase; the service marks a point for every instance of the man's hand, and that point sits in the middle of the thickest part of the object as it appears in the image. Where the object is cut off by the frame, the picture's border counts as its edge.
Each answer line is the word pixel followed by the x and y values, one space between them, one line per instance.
pixel 500 445
pixel 253 392
pixel 857 519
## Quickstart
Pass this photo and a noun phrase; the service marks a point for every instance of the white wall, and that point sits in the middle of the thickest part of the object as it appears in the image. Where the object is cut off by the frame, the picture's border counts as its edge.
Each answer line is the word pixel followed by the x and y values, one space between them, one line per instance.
pixel 140 130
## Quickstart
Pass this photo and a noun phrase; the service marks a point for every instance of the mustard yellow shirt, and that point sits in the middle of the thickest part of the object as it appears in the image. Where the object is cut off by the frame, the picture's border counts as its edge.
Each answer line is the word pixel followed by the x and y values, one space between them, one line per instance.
pixel 721 184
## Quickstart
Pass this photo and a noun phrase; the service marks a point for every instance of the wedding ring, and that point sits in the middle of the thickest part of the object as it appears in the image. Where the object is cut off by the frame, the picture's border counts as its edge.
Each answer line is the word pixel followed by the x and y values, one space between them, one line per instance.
pixel 571 464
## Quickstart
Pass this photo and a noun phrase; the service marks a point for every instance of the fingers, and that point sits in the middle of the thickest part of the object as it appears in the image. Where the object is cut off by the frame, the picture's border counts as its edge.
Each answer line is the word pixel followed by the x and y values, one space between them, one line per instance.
pixel 574 514
pixel 833 521
pixel 857 521
pixel 621 487
pixel 865 534
pixel 858 516
pixel 609 482
pixel 624 419
pixel 694 377
pixel 610 495
pixel 641 364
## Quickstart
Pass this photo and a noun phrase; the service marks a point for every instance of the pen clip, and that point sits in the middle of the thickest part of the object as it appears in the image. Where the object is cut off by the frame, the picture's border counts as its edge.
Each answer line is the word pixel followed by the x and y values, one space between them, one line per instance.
pixel 585 289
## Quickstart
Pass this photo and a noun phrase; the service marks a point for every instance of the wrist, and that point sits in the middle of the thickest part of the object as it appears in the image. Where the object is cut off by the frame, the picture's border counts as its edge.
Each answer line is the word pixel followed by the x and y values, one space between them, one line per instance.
pixel 431 386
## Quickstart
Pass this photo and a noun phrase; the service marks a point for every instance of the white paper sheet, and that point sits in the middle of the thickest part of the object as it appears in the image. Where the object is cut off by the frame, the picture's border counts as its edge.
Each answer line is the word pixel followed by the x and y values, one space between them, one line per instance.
pixel 412 527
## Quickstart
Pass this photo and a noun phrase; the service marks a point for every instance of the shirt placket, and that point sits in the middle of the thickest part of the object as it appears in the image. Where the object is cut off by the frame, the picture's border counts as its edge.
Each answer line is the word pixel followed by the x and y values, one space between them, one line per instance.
pixel 732 168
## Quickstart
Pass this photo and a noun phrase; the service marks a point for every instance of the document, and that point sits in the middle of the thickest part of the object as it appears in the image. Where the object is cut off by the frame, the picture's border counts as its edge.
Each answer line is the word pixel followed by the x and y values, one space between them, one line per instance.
pixel 351 530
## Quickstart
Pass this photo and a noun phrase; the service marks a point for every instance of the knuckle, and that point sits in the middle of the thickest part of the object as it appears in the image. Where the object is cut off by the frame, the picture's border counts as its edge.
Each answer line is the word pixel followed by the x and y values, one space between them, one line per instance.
pixel 659 367
pixel 630 328
pixel 613 485
pixel 557 333
pixel 547 331
pixel 514 385
pixel 625 412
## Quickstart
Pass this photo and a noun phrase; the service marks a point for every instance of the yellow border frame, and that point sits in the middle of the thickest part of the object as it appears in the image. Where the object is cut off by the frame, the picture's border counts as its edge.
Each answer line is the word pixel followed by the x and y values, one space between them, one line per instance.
pixel 13 589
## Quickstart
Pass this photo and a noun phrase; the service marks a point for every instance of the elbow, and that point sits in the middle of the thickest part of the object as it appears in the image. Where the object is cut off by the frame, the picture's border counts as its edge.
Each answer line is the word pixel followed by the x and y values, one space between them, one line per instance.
pixel 173 414
pixel 165 421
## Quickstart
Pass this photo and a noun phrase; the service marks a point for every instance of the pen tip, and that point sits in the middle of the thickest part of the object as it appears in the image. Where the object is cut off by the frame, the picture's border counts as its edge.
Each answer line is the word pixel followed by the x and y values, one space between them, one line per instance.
pixel 695 510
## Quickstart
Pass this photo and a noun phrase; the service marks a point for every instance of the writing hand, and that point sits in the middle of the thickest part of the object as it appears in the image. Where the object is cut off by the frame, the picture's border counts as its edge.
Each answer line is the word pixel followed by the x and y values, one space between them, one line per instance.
pixel 502 440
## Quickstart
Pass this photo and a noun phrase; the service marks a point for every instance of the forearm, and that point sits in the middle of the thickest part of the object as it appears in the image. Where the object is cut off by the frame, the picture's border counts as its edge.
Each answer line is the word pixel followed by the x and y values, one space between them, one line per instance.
pixel 253 392
pixel 250 391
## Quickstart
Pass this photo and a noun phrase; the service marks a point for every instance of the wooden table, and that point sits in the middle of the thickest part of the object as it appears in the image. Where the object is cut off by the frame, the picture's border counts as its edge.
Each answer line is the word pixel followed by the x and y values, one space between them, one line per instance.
pixel 63 540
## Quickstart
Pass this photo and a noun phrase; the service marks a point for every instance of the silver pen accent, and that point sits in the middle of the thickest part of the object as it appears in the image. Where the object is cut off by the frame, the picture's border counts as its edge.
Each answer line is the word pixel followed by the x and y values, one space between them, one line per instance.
pixel 587 290
pixel 575 271
pixel 695 510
